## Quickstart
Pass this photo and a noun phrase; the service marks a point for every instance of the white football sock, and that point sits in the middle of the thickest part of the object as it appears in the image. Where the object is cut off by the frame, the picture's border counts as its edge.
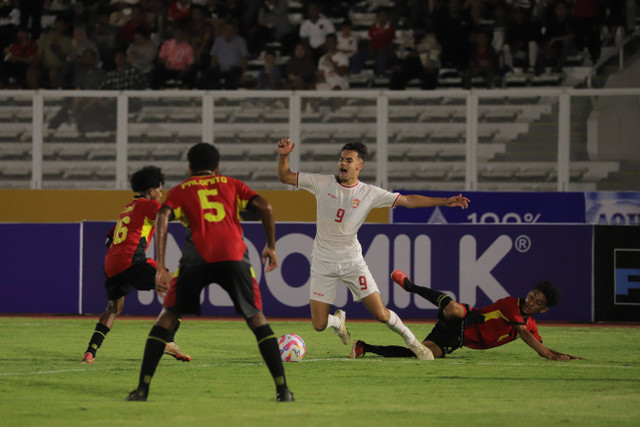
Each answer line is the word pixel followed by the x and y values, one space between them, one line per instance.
pixel 333 322
pixel 396 325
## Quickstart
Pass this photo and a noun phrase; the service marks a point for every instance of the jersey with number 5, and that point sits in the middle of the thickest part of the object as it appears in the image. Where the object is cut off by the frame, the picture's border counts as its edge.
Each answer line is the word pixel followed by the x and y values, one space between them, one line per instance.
pixel 341 210
pixel 131 236
pixel 209 206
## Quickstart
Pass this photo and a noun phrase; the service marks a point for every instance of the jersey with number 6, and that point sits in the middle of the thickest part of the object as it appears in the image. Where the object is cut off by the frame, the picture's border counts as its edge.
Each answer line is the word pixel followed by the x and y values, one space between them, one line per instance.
pixel 341 210
pixel 131 236
pixel 208 205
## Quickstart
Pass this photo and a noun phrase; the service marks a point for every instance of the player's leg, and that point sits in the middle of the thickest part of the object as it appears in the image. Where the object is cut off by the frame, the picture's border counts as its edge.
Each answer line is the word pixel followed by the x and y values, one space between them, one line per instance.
pixel 153 351
pixel 376 307
pixel 237 278
pixel 104 325
pixel 322 293
pixel 450 309
pixel 268 345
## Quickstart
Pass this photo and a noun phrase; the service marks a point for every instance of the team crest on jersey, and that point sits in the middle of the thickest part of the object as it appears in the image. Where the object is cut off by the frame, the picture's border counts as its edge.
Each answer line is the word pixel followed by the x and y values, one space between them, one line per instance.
pixel 355 203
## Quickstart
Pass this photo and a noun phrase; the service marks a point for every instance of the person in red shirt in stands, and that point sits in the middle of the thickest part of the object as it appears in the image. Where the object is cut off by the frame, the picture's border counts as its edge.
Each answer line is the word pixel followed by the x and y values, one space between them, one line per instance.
pixel 136 20
pixel 126 264
pixel 179 12
pixel 175 61
pixel 381 38
pixel 214 252
pixel 479 328
pixel 18 70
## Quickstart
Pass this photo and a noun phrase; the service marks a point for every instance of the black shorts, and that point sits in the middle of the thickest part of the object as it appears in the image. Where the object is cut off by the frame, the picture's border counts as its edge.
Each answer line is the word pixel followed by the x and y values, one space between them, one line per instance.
pixel 448 334
pixel 235 277
pixel 141 276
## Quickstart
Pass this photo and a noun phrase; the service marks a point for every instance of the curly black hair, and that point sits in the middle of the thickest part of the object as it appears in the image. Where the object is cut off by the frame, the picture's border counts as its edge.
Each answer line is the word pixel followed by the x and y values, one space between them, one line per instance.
pixel 358 147
pixel 203 156
pixel 146 178
pixel 550 291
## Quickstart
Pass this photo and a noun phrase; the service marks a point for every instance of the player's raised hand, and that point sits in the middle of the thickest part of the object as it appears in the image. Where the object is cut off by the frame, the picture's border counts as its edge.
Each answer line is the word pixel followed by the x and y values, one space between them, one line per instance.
pixel 269 258
pixel 458 200
pixel 163 280
pixel 285 146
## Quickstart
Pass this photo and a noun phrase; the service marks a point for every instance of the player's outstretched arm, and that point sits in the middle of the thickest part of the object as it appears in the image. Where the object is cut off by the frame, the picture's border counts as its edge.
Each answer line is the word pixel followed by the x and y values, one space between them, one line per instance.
pixel 285 147
pixel 417 201
pixel 269 255
pixel 540 348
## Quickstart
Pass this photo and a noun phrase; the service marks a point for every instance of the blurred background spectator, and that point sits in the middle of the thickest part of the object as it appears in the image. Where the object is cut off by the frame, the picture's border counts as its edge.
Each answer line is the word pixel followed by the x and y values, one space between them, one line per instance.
pixel 141 54
pixel 483 61
pixel 381 37
pixel 9 22
pixel 270 75
pixel 274 26
pixel 300 69
pixel 17 70
pixel 228 61
pixel 53 49
pixel 314 29
pixel 79 45
pixel 175 62
pixel 419 60
pixel 558 38
pixel 333 67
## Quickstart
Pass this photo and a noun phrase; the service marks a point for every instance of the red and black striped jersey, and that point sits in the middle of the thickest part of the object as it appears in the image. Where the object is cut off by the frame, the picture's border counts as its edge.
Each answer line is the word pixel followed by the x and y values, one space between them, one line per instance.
pixel 209 206
pixel 131 236
pixel 498 326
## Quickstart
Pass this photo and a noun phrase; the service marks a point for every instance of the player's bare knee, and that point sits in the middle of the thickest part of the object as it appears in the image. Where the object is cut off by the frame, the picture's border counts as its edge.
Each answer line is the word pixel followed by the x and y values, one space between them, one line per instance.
pixel 319 325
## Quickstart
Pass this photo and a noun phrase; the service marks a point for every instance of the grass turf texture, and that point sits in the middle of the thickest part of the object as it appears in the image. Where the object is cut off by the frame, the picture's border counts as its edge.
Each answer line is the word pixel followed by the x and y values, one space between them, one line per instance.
pixel 43 383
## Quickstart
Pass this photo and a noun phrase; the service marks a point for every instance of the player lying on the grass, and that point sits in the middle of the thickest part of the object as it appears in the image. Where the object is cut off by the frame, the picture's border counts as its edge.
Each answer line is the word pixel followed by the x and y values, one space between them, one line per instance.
pixel 479 328
pixel 126 264
pixel 214 252
pixel 343 203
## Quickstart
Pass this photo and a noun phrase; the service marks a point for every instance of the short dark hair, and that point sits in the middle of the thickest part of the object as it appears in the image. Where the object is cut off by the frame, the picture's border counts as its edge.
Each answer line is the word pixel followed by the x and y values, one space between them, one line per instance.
pixel 203 156
pixel 358 147
pixel 550 291
pixel 146 178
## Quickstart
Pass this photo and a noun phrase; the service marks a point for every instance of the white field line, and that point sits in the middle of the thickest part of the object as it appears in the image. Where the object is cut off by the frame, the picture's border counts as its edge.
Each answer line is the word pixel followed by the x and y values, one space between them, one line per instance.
pixel 342 360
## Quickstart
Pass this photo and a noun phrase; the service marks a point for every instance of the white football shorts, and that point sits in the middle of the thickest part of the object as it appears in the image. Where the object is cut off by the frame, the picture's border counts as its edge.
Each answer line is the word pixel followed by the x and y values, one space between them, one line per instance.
pixel 326 275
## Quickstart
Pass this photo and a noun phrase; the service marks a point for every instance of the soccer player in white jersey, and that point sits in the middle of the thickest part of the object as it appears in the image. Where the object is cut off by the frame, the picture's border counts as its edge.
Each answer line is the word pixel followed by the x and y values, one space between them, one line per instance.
pixel 343 203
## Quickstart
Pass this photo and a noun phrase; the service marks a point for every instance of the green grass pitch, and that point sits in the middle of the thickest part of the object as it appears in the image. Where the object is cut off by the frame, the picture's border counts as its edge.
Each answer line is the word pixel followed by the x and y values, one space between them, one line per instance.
pixel 43 383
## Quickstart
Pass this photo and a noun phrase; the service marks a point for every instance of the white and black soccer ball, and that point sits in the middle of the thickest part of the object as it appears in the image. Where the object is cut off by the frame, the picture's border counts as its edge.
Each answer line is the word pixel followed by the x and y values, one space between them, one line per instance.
pixel 292 348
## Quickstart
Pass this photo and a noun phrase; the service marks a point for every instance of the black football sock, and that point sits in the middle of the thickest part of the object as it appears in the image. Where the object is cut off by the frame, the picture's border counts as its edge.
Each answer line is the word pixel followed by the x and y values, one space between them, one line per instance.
pixel 268 345
pixel 153 351
pixel 172 337
pixel 99 334
pixel 437 298
pixel 388 350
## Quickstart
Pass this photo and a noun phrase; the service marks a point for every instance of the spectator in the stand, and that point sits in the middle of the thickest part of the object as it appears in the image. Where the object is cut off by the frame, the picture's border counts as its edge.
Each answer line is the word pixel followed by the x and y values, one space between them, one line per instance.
pixel 520 40
pixel 421 60
pixel 89 77
pixel 314 30
pixel 483 61
pixel 175 61
pixel 348 44
pixel 179 12
pixel 31 16
pixel 53 49
pixel 124 76
pixel 559 39
pixel 121 10
pixel 300 69
pixel 215 12
pixel 333 67
pixel 588 25
pixel 18 67
pixel 453 28
pixel 136 20
pixel 9 22
pixel 410 13
pixel 270 75
pixel 105 36
pixel 74 62
pixel 141 54
pixel 273 19
pixel 228 61
pixel 381 41
pixel 200 34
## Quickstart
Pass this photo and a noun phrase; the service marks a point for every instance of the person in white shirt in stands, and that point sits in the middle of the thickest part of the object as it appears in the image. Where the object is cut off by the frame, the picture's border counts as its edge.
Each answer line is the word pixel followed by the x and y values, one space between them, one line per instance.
pixel 343 203
pixel 348 44
pixel 333 67
pixel 315 29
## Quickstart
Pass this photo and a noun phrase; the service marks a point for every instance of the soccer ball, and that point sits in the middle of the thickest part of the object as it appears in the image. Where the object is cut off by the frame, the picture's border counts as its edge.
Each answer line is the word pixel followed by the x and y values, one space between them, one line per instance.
pixel 292 348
